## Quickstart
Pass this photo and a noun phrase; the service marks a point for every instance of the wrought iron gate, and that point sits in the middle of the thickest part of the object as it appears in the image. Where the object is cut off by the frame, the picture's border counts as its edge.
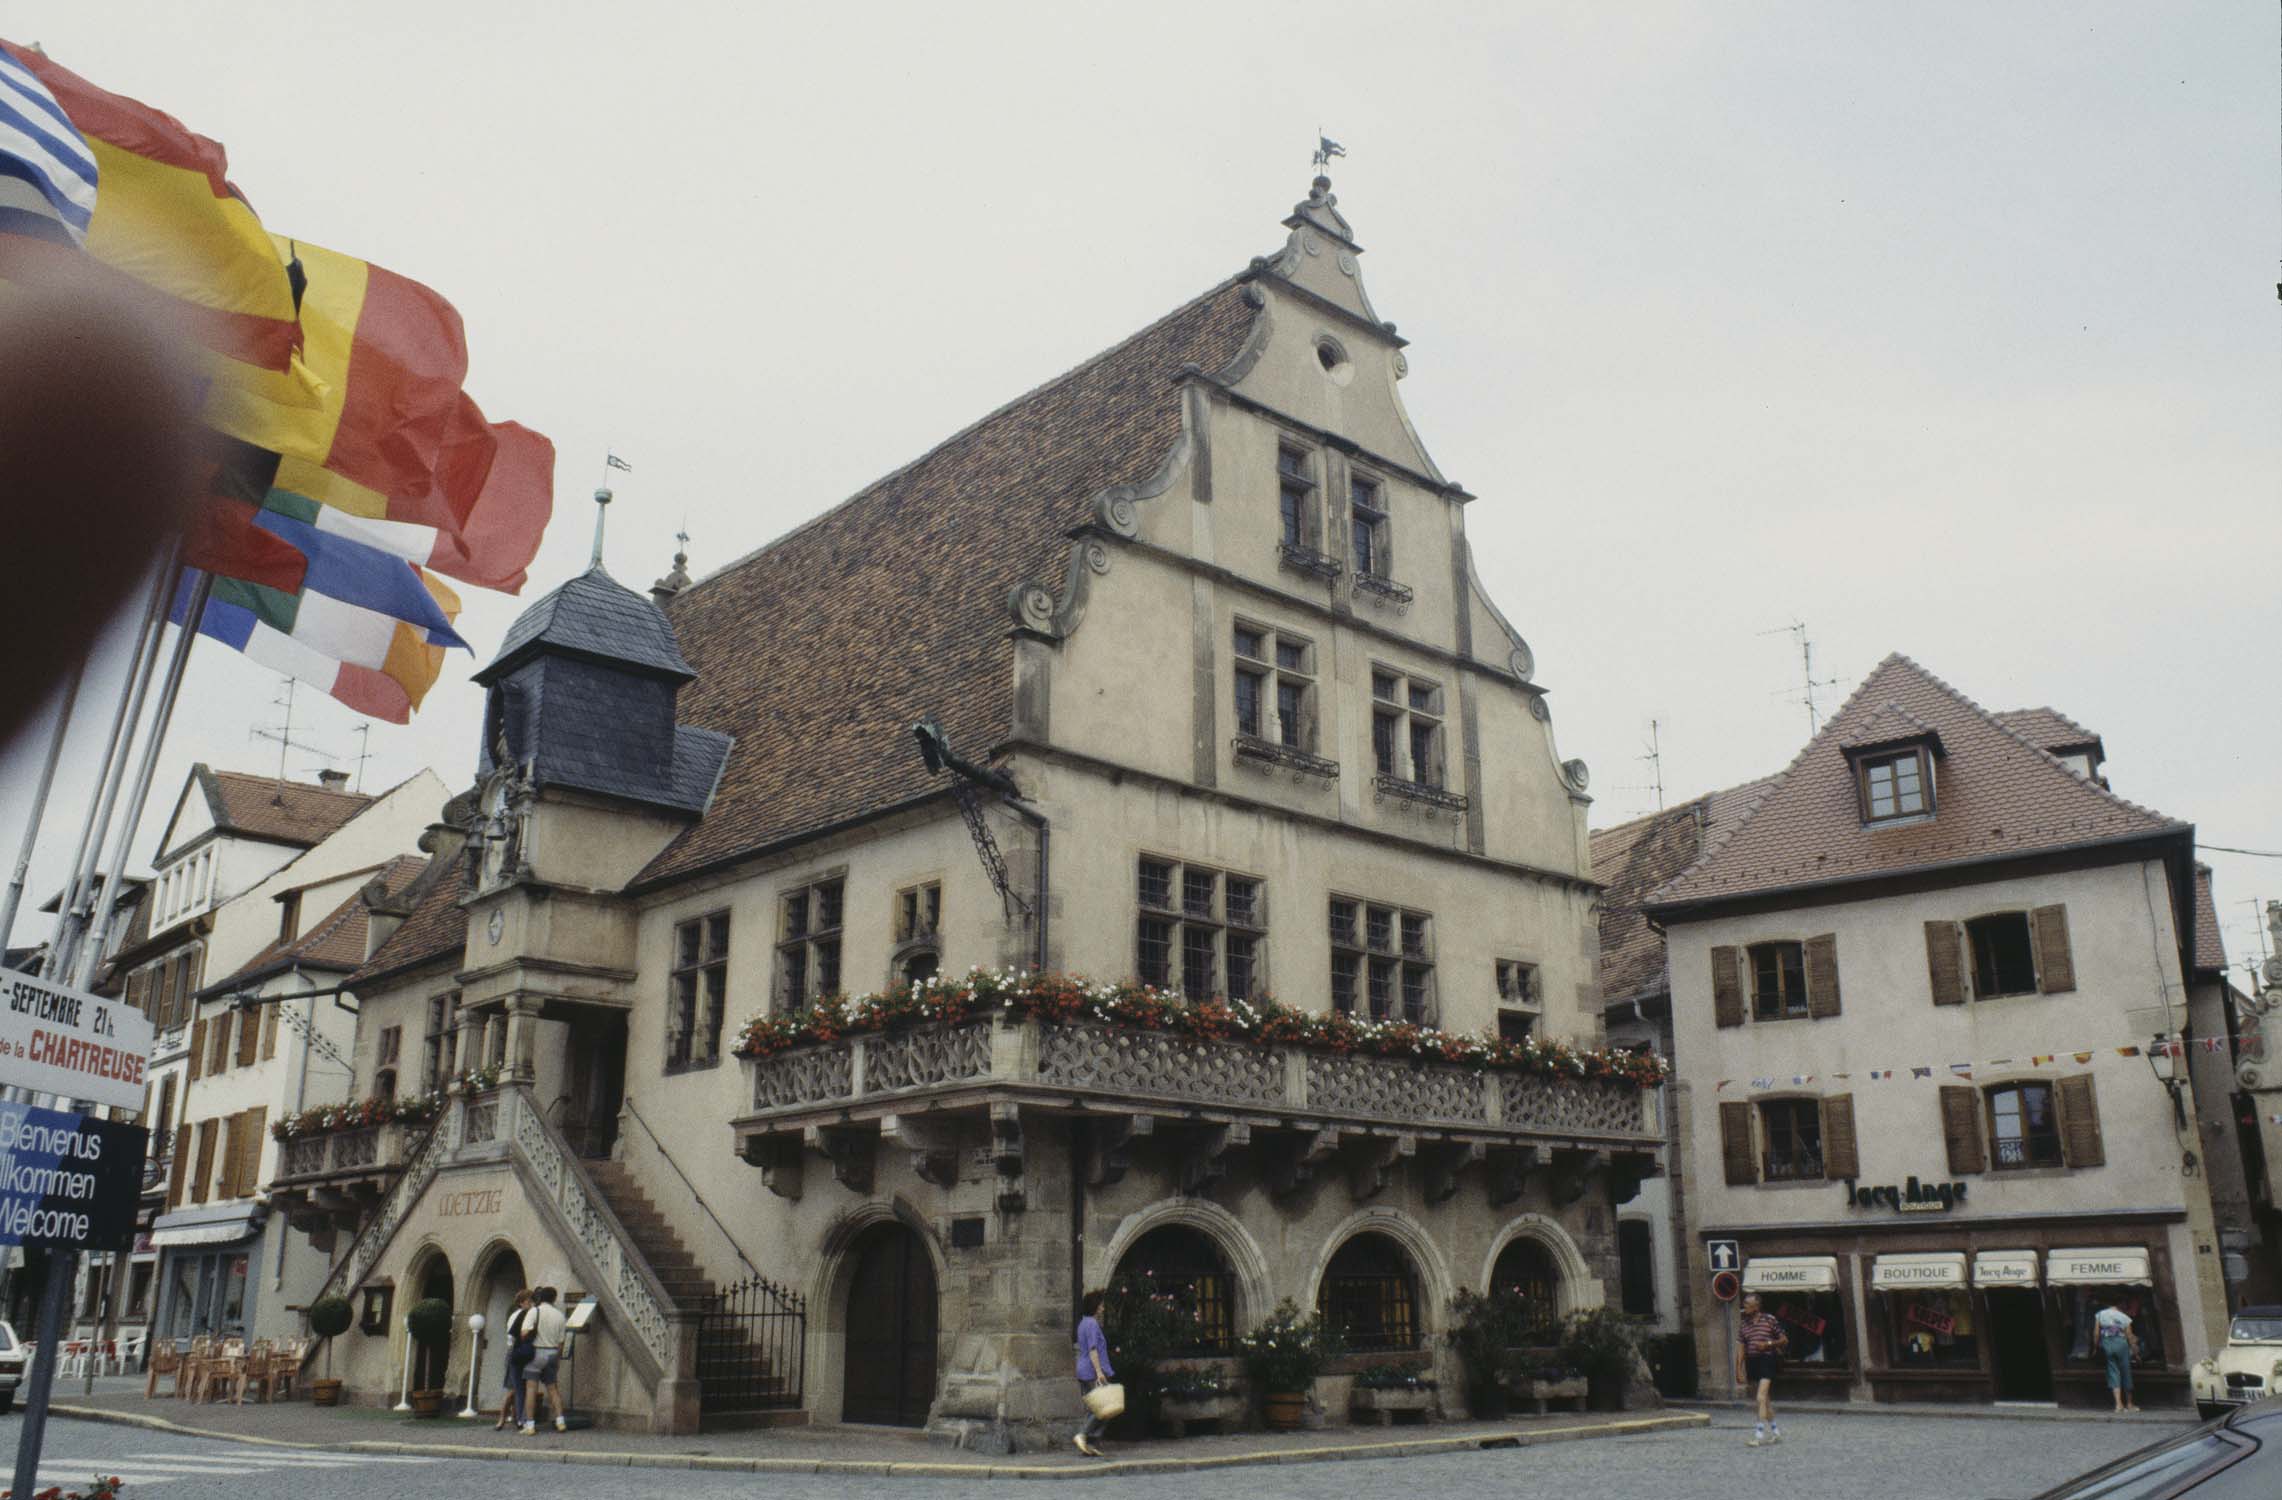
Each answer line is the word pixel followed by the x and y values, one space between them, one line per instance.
pixel 752 1348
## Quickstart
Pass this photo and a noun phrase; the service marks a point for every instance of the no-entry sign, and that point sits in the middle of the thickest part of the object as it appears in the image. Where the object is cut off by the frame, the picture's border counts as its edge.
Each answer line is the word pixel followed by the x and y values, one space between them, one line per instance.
pixel 68 1182
pixel 66 1042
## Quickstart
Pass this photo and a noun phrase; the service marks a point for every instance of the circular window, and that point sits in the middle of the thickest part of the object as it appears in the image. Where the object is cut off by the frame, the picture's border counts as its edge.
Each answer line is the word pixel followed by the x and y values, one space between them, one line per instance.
pixel 1334 360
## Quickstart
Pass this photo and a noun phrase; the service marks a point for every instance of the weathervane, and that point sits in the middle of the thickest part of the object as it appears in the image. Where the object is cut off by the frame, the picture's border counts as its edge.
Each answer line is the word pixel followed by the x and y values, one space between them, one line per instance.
pixel 1325 149
pixel 602 499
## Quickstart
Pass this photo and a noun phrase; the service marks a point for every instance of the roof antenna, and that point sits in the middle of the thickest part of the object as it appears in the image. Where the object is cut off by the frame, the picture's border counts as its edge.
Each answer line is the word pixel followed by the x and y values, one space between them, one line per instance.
pixel 283 734
pixel 1655 759
pixel 602 499
pixel 1808 682
pixel 363 732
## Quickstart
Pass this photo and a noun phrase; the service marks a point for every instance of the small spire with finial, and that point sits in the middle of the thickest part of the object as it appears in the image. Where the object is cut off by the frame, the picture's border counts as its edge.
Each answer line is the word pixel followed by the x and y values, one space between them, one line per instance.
pixel 602 499
pixel 1325 149
pixel 678 579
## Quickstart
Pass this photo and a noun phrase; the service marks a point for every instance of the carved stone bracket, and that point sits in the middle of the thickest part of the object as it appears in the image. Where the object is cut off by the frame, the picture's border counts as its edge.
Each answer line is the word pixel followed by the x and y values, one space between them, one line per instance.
pixel 1205 1163
pixel 1032 604
pixel 1572 1171
pixel 1113 1137
pixel 1444 1162
pixel 1007 1153
pixel 1509 1174
pixel 1302 1159
pixel 933 1145
pixel 780 1161
pixel 850 1151
pixel 1627 1171
pixel 1375 1163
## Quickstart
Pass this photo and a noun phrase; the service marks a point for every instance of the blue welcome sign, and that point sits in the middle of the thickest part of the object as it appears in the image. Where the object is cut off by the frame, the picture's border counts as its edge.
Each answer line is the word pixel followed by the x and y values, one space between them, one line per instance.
pixel 68 1181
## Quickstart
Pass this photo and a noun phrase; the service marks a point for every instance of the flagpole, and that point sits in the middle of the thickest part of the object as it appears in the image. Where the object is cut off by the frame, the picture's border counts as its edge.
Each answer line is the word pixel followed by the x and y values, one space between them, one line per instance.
pixel 15 896
pixel 71 919
pixel 91 951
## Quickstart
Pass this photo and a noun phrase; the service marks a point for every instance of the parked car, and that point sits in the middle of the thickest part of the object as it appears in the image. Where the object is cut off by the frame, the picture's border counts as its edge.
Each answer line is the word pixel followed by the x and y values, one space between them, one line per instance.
pixel 12 1362
pixel 2237 1457
pixel 2248 1368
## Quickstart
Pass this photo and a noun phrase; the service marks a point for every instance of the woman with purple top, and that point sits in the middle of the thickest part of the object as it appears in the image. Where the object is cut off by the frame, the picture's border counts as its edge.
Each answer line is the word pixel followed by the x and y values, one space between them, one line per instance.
pixel 1093 1369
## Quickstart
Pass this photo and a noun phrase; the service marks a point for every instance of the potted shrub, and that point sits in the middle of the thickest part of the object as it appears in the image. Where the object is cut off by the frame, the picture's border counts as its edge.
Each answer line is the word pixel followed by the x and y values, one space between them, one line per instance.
pixel 1145 1325
pixel 1402 1386
pixel 1603 1345
pixel 429 1324
pixel 1201 1393
pixel 329 1318
pixel 1486 1333
pixel 1282 1357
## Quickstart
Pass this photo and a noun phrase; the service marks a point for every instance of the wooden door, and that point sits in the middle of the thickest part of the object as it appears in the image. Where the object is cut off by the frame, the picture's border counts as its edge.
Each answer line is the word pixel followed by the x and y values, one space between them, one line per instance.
pixel 890 1349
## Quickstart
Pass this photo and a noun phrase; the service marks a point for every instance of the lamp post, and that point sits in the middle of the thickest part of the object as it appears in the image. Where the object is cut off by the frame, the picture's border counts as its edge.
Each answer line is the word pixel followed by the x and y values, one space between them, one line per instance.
pixel 404 1398
pixel 2163 1062
pixel 474 1360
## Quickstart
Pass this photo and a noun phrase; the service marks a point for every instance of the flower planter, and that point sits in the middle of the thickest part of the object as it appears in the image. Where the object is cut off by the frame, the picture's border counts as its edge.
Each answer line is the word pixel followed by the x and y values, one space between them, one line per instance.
pixel 1541 1395
pixel 427 1403
pixel 1225 1410
pixel 1380 1404
pixel 1284 1411
pixel 324 1393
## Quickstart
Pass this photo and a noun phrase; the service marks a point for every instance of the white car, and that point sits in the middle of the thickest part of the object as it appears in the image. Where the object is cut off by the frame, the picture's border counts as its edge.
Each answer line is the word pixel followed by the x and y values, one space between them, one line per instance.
pixel 12 1363
pixel 2248 1369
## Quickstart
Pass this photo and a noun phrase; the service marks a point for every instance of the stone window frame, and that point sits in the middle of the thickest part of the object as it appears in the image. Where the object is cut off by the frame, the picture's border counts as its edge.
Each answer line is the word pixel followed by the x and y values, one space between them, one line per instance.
pixel 1189 931
pixel 1404 703
pixel 806 954
pixel 1298 495
pixel 1370 947
pixel 1520 995
pixel 697 990
pixel 1276 659
pixel 917 931
pixel 1369 517
pixel 439 1040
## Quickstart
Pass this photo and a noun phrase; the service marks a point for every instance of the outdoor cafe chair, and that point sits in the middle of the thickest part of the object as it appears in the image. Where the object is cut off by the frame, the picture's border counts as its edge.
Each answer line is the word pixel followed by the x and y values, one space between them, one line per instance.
pixel 165 1360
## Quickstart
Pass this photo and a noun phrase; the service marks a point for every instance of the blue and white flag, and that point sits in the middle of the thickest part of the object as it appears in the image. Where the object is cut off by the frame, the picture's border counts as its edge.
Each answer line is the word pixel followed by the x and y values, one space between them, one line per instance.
pixel 47 171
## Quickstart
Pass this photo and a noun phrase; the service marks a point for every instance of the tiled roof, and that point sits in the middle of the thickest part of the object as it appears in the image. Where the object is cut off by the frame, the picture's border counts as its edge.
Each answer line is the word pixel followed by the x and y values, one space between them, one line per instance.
pixel 281 812
pixel 1885 725
pixel 1632 859
pixel 594 615
pixel 2046 728
pixel 1996 794
pixel 818 652
pixel 338 941
pixel 2210 949
pixel 435 928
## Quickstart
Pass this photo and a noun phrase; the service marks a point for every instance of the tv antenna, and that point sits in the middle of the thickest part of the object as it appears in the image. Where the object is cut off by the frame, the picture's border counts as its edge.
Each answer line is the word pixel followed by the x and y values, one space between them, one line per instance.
pixel 286 743
pixel 363 732
pixel 1808 682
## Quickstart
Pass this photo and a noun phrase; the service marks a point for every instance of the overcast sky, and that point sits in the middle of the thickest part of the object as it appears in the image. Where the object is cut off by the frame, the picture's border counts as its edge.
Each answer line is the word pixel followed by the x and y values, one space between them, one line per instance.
pixel 1942 328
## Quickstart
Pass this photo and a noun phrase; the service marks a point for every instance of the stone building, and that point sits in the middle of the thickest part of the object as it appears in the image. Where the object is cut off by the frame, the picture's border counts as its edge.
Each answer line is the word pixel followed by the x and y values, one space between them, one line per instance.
pixel 1207 692
pixel 1930 998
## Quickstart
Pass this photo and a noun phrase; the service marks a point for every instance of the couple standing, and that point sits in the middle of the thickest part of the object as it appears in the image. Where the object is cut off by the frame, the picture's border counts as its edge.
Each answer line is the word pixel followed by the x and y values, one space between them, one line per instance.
pixel 534 1359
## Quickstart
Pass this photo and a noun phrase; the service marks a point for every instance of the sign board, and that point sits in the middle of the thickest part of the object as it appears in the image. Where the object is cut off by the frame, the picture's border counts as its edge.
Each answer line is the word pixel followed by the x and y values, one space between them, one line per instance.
pixel 581 1314
pixel 69 1182
pixel 1724 1255
pixel 61 1041
pixel 1725 1284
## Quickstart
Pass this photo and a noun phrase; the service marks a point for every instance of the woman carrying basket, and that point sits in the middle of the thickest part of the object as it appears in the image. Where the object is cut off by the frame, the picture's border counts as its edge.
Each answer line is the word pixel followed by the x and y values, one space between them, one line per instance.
pixel 1094 1371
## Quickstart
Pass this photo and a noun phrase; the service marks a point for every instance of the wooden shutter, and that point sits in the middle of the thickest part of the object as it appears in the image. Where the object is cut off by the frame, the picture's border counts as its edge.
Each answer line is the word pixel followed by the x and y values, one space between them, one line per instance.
pixel 233 1154
pixel 1727 987
pixel 1735 1144
pixel 1822 976
pixel 2055 964
pixel 1961 1126
pixel 269 1030
pixel 249 1169
pixel 197 1049
pixel 218 1028
pixel 1840 1160
pixel 2080 1144
pixel 1944 962
pixel 249 1036
pixel 202 1176
pixel 181 1179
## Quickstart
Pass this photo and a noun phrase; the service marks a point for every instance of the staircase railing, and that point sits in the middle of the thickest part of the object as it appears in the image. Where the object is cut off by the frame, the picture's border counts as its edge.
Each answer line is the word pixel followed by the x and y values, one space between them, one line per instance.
pixel 666 1156
pixel 419 1170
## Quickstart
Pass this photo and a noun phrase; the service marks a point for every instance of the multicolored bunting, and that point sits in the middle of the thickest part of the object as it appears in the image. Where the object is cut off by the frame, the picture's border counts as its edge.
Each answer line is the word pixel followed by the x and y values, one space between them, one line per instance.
pixel 47 172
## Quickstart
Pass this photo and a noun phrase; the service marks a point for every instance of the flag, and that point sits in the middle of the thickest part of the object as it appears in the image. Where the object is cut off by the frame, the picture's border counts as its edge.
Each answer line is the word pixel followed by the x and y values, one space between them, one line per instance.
pixel 2127 1052
pixel 2083 1057
pixel 1961 1070
pixel 1879 1074
pixel 303 635
pixel 1921 1072
pixel 47 172
pixel 221 537
pixel 613 461
pixel 174 238
pixel 2039 1059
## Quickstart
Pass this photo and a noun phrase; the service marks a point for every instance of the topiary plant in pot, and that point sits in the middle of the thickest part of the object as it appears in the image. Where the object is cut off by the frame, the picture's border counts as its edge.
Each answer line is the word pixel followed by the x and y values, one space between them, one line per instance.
pixel 429 1325
pixel 329 1318
pixel 1604 1346
pixel 1487 1331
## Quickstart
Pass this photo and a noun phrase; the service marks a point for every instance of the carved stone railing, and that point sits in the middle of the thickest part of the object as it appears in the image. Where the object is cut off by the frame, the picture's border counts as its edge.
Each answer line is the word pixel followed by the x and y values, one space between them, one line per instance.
pixel 594 1229
pixel 353 1149
pixel 305 1156
pixel 482 1118
pixel 419 1170
pixel 346 1152
pixel 827 1084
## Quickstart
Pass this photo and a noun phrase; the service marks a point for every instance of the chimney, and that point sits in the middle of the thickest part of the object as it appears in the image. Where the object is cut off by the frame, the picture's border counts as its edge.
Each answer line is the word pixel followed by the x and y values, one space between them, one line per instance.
pixel 333 781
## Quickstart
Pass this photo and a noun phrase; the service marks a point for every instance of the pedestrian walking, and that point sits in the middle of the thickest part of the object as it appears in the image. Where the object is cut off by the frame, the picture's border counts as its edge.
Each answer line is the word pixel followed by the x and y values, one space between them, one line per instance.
pixel 1094 1369
pixel 1759 1346
pixel 2119 1345
pixel 547 1323
pixel 518 1358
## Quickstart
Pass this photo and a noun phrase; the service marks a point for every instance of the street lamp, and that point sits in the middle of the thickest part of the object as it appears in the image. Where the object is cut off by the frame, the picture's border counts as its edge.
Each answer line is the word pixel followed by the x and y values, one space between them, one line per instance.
pixel 474 1361
pixel 2163 1062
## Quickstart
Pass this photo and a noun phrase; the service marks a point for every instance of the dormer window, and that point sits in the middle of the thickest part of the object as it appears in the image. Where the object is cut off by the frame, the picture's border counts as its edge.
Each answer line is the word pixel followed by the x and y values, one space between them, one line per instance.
pixel 1895 784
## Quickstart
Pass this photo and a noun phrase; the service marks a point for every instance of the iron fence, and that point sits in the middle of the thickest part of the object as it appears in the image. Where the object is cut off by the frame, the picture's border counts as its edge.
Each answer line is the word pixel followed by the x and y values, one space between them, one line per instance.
pixel 752 1345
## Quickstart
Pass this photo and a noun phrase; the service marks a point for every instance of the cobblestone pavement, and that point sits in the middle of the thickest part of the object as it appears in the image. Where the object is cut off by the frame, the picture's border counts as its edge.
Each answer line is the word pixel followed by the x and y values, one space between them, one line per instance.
pixel 1897 1458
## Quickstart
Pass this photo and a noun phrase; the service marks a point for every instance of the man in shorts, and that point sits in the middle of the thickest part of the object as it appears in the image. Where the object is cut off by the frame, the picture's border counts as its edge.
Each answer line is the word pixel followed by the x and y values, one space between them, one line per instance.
pixel 1759 1345
pixel 546 1322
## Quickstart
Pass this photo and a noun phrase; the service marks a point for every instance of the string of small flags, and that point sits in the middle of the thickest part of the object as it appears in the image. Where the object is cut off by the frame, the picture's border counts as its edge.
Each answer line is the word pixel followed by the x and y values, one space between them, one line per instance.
pixel 2249 1046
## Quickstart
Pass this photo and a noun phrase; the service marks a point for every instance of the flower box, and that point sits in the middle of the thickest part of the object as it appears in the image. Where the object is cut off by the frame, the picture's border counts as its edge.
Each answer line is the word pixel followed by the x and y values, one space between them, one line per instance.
pixel 1379 1404
pixel 1541 1395
pixel 1226 1409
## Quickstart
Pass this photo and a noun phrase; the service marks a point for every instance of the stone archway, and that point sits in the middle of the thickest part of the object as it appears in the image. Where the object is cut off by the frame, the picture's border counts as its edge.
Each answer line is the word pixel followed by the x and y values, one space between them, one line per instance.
pixel 828 1296
pixel 1545 1250
pixel 1435 1287
pixel 890 1328
pixel 498 1276
pixel 1240 1253
pixel 430 1276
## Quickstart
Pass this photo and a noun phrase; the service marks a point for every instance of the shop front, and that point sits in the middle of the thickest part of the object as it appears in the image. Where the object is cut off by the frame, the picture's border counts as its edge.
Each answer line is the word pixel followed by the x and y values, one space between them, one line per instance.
pixel 1808 1295
pixel 206 1275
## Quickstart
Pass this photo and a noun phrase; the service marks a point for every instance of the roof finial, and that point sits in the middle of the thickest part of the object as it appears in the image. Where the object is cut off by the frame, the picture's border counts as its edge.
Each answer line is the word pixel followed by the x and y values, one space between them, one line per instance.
pixel 602 499
pixel 678 579
pixel 1325 149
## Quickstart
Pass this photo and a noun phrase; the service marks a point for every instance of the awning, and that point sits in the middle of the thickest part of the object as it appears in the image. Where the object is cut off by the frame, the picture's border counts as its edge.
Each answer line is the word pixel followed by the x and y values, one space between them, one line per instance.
pixel 207 1226
pixel 1791 1273
pixel 2004 1268
pixel 2126 1266
pixel 1898 1272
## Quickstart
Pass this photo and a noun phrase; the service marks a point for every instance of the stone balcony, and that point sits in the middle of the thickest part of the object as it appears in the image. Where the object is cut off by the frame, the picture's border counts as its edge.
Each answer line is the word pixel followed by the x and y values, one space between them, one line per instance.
pixel 331 1179
pixel 1299 1110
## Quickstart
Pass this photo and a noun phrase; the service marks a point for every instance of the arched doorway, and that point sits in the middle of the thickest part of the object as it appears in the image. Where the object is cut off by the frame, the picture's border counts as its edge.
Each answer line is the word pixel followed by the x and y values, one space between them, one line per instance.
pixel 498 1282
pixel 431 1361
pixel 890 1348
pixel 1187 1265
pixel 1370 1293
pixel 1525 1269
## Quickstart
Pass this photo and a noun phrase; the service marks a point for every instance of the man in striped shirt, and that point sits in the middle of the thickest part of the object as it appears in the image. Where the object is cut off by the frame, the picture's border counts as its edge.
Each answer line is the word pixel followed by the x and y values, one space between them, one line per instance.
pixel 1759 1345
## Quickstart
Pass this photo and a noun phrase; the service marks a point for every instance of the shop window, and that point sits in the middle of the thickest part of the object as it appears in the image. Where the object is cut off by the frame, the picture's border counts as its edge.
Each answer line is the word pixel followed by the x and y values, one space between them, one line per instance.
pixel 1931 1328
pixel 2004 961
pixel 1370 1294
pixel 808 943
pixel 1816 1322
pixel 139 1279
pixel 1525 1271
pixel 1208 922
pixel 1792 1132
pixel 700 992
pixel 2083 1304
pixel 2024 1127
pixel 1185 1265
pixel 1778 981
